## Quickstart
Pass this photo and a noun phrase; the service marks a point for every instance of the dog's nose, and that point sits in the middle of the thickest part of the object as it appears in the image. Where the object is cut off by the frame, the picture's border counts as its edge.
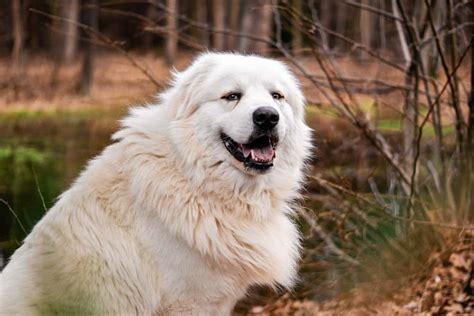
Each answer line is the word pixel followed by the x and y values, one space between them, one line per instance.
pixel 266 117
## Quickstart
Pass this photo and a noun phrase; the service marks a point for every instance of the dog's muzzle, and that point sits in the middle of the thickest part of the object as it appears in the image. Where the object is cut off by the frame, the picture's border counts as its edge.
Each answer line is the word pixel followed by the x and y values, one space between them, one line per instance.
pixel 257 154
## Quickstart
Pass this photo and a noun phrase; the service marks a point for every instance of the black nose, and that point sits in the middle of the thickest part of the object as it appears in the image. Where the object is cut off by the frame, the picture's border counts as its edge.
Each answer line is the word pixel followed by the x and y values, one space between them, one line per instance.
pixel 266 117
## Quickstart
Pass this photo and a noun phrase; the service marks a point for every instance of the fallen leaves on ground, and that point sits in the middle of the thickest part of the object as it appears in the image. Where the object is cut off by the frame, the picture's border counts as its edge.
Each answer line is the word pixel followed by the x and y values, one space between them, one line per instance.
pixel 448 290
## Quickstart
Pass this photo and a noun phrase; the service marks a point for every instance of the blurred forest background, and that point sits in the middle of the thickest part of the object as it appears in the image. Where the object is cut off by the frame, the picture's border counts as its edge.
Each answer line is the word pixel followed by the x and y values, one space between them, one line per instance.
pixel 388 215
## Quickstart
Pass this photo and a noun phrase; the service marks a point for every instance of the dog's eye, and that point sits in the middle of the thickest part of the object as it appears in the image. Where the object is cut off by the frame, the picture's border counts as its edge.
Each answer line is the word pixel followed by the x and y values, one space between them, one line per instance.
pixel 277 96
pixel 233 96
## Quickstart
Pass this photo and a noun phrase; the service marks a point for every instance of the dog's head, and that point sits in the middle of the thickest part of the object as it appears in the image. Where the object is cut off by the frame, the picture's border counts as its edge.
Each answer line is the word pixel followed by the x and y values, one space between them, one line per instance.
pixel 245 112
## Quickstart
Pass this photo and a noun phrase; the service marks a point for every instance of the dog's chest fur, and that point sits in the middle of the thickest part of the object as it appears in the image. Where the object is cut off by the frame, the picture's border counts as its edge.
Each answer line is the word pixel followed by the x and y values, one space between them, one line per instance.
pixel 217 268
pixel 218 242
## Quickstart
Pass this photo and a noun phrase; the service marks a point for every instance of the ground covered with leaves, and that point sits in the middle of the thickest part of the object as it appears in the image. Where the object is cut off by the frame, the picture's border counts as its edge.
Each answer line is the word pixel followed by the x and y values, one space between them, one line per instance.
pixel 448 289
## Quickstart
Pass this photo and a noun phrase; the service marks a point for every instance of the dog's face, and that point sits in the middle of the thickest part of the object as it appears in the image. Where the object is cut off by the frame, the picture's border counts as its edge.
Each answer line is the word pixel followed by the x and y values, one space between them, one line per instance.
pixel 244 109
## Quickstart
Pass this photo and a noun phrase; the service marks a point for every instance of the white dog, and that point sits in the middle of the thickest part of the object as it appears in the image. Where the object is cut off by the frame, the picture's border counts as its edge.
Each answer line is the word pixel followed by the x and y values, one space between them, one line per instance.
pixel 189 207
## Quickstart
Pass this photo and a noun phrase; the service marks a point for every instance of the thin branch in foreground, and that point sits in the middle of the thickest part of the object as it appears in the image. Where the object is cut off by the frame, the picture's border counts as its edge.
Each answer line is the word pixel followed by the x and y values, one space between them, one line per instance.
pixel 14 215
pixel 372 9
pixel 314 226
pixel 384 208
pixel 39 190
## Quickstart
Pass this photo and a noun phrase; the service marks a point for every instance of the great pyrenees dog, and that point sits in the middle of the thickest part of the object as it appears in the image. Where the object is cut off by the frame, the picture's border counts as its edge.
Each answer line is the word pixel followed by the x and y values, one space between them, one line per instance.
pixel 190 205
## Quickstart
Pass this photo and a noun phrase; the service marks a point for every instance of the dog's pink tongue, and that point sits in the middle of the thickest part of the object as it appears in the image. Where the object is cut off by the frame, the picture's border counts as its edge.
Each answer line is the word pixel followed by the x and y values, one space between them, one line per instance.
pixel 265 153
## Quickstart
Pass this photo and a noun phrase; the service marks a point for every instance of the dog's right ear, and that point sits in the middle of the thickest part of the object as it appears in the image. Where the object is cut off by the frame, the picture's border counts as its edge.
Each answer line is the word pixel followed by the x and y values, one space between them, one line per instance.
pixel 184 96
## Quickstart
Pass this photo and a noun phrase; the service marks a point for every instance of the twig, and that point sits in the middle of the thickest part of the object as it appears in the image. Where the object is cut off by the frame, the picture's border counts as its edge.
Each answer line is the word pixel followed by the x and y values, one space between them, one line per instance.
pixel 14 215
pixel 446 84
pixel 39 190
pixel 384 208
pixel 452 86
pixel 316 228
pixel 373 10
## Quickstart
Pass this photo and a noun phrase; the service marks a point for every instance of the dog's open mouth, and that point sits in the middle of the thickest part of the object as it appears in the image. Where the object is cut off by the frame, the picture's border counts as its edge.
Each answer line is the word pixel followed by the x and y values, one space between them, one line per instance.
pixel 257 154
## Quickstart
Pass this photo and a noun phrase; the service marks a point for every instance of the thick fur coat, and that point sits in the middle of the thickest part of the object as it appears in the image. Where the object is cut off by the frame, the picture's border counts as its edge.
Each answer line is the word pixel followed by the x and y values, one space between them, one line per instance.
pixel 165 221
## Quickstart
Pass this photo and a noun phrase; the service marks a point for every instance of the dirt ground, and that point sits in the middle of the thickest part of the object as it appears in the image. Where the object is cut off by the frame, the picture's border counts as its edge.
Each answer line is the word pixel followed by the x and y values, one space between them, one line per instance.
pixel 44 85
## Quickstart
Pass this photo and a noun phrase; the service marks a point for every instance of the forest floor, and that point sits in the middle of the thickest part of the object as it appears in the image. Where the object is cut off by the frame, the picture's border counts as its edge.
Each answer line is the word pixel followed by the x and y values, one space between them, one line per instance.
pixel 447 290
pixel 46 87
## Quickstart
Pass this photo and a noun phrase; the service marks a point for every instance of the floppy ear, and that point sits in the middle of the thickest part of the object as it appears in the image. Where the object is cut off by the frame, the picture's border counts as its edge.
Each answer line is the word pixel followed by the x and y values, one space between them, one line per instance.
pixel 185 94
pixel 296 97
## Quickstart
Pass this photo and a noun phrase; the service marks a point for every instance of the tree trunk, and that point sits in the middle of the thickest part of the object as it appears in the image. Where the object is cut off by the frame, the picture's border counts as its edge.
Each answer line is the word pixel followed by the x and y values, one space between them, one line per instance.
pixel 469 161
pixel 152 15
pixel 410 119
pixel 296 36
pixel 218 19
pixel 315 16
pixel 172 31
pixel 201 34
pixel 341 23
pixel 382 32
pixel 18 36
pixel 430 63
pixel 234 24
pixel 325 16
pixel 70 12
pixel 91 18
pixel 454 87
pixel 401 35
pixel 470 121
pixel 365 28
pixel 257 20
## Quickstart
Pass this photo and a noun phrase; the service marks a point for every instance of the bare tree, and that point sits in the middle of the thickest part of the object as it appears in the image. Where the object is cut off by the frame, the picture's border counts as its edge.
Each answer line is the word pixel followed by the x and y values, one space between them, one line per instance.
pixel 410 118
pixel 69 33
pixel 18 36
pixel 431 62
pixel 91 18
pixel 257 20
pixel 382 32
pixel 324 17
pixel 152 15
pixel 234 23
pixel 341 17
pixel 470 138
pixel 296 36
pixel 315 14
pixel 172 31
pixel 470 126
pixel 218 17
pixel 454 85
pixel 200 11
pixel 366 27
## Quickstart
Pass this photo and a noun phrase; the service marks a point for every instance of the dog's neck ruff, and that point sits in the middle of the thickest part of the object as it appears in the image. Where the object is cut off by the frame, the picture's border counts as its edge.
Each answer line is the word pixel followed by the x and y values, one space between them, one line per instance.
pixel 229 217
pixel 232 230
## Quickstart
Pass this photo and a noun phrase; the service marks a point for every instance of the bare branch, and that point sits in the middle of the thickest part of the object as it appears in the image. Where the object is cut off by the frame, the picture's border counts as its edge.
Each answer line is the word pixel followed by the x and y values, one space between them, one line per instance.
pixel 374 10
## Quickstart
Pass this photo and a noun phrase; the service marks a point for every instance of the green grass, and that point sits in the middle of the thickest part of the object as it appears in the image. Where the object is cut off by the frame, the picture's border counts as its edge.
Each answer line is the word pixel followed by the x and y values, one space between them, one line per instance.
pixel 390 124
pixel 89 112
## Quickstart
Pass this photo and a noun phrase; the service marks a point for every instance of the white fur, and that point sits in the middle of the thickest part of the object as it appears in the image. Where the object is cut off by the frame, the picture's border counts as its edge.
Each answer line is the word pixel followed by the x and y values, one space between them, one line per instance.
pixel 164 221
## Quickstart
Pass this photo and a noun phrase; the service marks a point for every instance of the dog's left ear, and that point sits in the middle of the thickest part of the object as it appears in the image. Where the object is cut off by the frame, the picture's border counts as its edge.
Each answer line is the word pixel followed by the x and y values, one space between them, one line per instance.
pixel 184 96
pixel 296 97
